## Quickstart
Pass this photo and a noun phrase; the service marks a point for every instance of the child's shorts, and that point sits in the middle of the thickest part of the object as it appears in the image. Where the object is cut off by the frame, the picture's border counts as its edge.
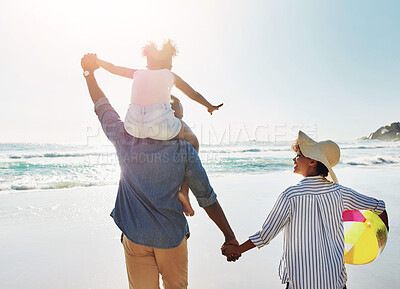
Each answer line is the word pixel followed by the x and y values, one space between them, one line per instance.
pixel 155 121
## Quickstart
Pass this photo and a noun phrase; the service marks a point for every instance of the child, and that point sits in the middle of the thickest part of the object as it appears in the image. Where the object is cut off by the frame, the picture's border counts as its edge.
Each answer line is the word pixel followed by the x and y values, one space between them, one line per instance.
pixel 150 114
pixel 310 213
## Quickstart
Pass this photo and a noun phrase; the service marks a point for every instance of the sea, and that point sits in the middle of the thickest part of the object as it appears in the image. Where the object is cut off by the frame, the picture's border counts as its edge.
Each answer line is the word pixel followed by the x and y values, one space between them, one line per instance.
pixel 28 167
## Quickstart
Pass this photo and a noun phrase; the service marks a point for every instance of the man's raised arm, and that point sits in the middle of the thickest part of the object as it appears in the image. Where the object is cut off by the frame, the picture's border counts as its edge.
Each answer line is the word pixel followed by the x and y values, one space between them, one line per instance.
pixel 89 65
pixel 108 117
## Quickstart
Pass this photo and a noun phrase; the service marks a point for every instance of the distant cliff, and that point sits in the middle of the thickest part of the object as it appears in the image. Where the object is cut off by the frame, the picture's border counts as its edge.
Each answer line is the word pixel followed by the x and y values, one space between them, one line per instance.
pixel 386 133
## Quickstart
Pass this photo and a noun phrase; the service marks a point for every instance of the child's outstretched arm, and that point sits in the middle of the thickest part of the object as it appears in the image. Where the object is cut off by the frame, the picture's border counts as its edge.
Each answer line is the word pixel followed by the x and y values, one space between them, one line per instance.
pixel 117 70
pixel 193 94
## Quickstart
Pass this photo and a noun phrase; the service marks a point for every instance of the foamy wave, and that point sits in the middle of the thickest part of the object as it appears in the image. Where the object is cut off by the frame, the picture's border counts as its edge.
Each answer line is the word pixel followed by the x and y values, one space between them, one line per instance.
pixel 364 147
pixel 55 155
pixel 373 161
pixel 21 188
pixel 52 186
pixel 368 145
pixel 251 151
pixel 243 150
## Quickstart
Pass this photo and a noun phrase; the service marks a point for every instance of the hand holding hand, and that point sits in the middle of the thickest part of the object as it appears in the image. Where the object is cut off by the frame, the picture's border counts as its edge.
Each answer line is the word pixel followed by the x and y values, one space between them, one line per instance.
pixel 89 62
pixel 214 107
pixel 230 250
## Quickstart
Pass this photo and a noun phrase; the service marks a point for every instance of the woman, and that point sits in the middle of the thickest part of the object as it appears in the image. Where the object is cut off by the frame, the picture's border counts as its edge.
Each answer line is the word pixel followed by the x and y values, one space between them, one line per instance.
pixel 310 213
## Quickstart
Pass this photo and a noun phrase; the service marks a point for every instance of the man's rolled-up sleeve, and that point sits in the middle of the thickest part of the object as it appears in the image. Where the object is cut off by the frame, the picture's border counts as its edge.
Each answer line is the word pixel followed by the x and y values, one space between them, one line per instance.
pixel 109 119
pixel 197 179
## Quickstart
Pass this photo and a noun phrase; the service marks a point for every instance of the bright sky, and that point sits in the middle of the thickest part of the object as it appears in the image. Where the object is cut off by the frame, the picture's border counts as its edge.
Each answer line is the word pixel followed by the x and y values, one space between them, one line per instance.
pixel 328 67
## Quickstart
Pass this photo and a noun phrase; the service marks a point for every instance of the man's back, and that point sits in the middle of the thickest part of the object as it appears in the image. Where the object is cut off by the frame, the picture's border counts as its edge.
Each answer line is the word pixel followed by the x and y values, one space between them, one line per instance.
pixel 147 209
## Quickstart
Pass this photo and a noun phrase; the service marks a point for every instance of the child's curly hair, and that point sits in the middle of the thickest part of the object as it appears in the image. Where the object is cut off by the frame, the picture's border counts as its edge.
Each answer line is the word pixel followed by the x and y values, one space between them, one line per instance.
pixel 168 51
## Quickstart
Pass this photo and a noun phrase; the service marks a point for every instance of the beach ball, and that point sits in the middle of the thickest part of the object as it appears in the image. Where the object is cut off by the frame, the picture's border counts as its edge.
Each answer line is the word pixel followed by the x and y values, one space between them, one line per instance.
pixel 365 237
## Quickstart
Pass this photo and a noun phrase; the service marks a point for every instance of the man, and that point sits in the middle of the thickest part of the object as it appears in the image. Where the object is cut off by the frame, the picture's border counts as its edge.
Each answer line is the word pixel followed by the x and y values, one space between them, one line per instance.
pixel 147 209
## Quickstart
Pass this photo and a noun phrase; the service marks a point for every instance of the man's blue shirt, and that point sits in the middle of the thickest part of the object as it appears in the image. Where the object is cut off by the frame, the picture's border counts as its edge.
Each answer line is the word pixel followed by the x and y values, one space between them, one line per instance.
pixel 147 209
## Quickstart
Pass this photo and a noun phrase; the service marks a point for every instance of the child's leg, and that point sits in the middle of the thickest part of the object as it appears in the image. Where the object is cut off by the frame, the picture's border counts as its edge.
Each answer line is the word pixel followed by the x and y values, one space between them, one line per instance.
pixel 187 134
pixel 183 197
pixel 177 107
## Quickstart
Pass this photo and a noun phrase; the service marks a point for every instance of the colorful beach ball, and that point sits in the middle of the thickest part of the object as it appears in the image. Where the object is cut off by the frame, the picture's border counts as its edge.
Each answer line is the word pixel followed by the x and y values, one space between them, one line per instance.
pixel 365 237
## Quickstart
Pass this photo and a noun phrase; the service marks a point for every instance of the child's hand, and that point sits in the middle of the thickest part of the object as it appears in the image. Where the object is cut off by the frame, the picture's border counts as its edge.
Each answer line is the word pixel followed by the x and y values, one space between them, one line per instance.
pixel 214 107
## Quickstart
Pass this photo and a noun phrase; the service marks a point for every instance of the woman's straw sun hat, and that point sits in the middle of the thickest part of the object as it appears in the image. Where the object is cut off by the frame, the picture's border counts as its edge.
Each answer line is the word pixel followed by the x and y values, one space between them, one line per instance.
pixel 326 152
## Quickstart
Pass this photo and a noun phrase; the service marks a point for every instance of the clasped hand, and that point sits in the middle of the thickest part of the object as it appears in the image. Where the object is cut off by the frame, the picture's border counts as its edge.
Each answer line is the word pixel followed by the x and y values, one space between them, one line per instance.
pixel 230 250
pixel 89 62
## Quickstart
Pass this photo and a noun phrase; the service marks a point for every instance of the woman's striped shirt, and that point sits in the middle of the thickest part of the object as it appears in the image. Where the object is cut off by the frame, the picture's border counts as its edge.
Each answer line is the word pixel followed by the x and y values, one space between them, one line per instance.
pixel 311 215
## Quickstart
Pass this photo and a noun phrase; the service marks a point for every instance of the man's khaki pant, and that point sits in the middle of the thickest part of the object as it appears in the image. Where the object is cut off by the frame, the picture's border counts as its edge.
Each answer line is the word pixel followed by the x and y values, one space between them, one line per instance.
pixel 144 264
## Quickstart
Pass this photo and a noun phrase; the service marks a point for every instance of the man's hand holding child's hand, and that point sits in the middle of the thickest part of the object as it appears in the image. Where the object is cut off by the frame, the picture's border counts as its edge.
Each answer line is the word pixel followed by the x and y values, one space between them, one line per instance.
pixel 89 62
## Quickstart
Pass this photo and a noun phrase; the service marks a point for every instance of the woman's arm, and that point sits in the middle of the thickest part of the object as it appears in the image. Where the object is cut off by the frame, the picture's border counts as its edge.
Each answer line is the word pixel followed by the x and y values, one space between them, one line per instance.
pixel 117 70
pixel 231 250
pixel 385 219
pixel 192 94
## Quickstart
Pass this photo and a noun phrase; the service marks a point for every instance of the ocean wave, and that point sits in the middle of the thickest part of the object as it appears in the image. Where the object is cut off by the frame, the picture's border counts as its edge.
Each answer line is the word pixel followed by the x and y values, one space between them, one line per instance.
pixel 364 147
pixel 246 165
pixel 21 188
pixel 373 161
pixel 25 167
pixel 54 186
pixel 58 155
pixel 368 145
pixel 243 150
pixel 281 149
pixel 251 151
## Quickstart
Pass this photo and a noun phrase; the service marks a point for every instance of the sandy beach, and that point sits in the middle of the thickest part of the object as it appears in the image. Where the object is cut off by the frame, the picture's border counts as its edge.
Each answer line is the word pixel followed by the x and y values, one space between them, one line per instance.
pixel 66 239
